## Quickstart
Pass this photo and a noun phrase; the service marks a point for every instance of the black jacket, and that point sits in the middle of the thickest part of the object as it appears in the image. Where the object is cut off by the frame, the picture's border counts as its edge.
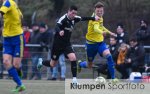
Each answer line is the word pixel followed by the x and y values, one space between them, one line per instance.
pixel 122 38
pixel 45 40
pixel 143 36
pixel 136 54
pixel 35 35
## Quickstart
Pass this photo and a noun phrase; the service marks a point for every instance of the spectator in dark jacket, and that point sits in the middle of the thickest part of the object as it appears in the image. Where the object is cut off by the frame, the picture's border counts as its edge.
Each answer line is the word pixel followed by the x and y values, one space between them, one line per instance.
pixel 113 47
pixel 35 53
pixel 143 35
pixel 45 37
pixel 135 56
pixel 122 36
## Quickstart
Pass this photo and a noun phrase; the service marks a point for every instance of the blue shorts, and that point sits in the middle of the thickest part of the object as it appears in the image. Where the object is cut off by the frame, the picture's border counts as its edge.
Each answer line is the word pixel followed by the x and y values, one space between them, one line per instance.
pixel 93 49
pixel 14 45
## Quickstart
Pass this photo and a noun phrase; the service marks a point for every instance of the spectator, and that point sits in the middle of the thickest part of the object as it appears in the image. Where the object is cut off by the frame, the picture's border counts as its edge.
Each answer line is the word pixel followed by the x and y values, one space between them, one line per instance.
pixel 26 55
pixel 113 46
pixel 135 56
pixel 122 36
pixel 46 36
pixel 143 35
pixel 121 66
pixel 35 36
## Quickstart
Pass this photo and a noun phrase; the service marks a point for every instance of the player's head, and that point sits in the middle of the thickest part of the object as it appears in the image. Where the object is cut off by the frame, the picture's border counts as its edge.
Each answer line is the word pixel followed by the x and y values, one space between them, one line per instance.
pixel 99 9
pixel 72 12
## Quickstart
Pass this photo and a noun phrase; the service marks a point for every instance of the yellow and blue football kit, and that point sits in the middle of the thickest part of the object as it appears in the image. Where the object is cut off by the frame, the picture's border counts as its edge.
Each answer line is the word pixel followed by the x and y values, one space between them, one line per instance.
pixel 12 29
pixel 95 39
pixel 95 44
pixel 13 38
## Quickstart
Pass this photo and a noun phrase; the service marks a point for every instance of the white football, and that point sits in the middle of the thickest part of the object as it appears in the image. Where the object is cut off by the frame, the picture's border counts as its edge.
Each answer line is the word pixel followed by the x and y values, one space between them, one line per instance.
pixel 100 80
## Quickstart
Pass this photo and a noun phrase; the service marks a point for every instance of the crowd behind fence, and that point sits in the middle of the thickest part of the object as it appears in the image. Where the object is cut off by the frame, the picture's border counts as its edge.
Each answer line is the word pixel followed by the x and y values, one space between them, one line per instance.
pixel 27 66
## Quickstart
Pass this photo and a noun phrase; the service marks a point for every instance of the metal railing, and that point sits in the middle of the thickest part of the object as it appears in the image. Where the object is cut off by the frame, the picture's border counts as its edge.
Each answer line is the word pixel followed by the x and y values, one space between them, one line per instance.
pixel 74 45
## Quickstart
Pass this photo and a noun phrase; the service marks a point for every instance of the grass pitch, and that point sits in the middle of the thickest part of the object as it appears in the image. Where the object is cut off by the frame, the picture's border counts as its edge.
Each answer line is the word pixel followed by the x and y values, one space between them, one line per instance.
pixel 34 87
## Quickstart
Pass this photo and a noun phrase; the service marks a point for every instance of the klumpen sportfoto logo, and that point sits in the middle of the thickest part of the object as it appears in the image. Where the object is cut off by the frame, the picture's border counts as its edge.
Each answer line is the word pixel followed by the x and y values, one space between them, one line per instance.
pixel 89 86
pixel 108 86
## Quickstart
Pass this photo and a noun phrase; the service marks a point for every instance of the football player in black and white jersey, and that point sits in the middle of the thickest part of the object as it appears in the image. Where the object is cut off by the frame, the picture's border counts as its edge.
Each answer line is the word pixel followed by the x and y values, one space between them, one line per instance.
pixel 62 44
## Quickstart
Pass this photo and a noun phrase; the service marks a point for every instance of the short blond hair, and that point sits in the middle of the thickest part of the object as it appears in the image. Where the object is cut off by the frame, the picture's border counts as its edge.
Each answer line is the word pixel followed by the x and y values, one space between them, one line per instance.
pixel 123 45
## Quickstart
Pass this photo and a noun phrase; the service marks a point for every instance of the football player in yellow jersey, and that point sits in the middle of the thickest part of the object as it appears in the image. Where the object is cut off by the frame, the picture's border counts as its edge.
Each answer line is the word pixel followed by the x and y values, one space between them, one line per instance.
pixel 95 41
pixel 13 41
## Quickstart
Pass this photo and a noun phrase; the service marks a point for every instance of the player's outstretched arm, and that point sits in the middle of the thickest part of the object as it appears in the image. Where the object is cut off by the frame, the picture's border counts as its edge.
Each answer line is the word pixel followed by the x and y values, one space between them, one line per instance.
pixel 109 32
pixel 96 18
pixel 113 34
pixel 78 18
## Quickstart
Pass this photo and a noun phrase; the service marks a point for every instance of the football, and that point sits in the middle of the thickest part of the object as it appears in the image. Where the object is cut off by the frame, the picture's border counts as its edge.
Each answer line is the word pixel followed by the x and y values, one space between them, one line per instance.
pixel 100 80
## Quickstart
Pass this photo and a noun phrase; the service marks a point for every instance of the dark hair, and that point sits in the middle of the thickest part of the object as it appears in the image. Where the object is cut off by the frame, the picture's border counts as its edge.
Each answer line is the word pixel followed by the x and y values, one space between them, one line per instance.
pixel 121 25
pixel 99 5
pixel 43 25
pixel 73 7
pixel 134 39
pixel 113 37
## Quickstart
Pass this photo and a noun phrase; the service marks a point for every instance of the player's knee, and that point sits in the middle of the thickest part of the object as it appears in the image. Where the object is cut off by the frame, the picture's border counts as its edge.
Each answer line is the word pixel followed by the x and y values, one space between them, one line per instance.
pixel 16 65
pixel 72 58
pixel 7 63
